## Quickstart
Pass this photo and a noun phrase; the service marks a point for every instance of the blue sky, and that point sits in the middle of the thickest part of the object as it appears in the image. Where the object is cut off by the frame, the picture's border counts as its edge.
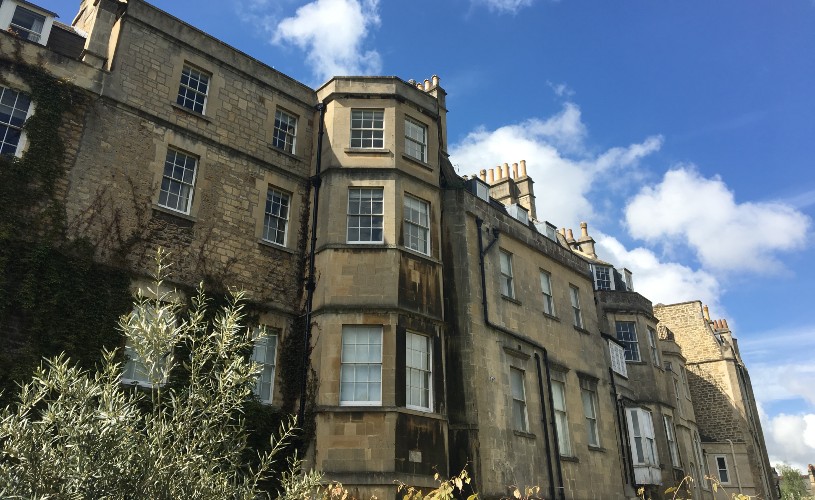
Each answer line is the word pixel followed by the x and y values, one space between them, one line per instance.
pixel 681 131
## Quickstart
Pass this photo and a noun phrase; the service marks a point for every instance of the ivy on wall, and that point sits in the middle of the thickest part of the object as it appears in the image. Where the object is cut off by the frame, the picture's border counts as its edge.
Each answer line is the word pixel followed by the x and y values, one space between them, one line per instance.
pixel 53 296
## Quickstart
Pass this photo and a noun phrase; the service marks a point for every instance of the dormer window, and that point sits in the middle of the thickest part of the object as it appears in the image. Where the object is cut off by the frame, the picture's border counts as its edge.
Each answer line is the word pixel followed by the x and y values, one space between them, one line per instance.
pixel 27 24
pixel 25 20
pixel 603 278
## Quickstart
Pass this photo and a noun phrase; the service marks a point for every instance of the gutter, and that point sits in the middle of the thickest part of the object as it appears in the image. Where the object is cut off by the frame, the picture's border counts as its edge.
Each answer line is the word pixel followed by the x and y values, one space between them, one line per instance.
pixel 481 253
pixel 545 428
pixel 735 464
pixel 311 282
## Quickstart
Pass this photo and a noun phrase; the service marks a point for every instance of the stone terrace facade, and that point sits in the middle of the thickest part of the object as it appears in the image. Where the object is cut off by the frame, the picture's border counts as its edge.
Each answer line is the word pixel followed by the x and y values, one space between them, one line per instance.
pixel 450 327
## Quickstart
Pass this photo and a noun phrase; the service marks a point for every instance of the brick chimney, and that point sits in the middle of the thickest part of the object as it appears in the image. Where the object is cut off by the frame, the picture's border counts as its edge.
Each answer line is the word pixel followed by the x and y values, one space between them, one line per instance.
pixel 586 242
pixel 512 185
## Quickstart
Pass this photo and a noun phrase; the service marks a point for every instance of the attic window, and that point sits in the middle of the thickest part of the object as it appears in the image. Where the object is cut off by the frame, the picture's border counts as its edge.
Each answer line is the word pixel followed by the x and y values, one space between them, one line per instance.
pixel 27 24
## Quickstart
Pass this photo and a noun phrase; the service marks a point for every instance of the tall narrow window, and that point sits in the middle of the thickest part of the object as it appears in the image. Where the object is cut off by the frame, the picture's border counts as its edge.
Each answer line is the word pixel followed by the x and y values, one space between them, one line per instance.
pixel 507 288
pixel 192 91
pixel 574 293
pixel 415 140
pixel 265 354
pixel 546 289
pixel 677 391
pixel 27 24
pixel 365 215
pixel 721 469
pixel 561 418
pixel 627 335
pixel 520 421
pixel 14 106
pixel 285 131
pixel 276 217
pixel 418 374
pixel 367 128
pixel 361 365
pixel 588 393
pixel 683 373
pixel 697 451
pixel 178 182
pixel 417 225
pixel 641 432
pixel 670 434
pixel 652 344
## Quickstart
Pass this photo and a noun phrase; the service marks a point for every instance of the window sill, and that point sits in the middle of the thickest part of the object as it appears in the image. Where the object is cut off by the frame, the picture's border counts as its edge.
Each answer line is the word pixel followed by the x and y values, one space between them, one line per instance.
pixel 597 448
pixel 582 330
pixel 286 153
pixel 510 299
pixel 349 408
pixel 417 162
pixel 632 362
pixel 269 244
pixel 367 151
pixel 524 434
pixel 553 318
pixel 174 213
pixel 516 353
pixel 191 112
pixel 569 458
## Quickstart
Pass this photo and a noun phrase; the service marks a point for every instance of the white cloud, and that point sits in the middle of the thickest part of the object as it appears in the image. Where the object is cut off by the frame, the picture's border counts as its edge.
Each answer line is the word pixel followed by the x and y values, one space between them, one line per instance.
pixel 661 282
pixel 789 438
pixel 703 214
pixel 332 32
pixel 504 6
pixel 773 381
pixel 558 160
pixel 561 89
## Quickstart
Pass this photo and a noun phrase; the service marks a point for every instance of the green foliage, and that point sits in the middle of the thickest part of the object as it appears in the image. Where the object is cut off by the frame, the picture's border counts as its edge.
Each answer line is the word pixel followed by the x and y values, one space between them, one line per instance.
pixel 791 482
pixel 27 184
pixel 53 301
pixel 78 434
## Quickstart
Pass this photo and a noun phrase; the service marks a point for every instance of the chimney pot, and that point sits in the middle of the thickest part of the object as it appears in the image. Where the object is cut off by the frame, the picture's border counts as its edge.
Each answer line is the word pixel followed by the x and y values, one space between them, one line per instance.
pixel 523 168
pixel 569 235
pixel 514 170
pixel 506 170
pixel 492 176
pixel 584 230
pixel 706 312
pixel 483 175
pixel 426 84
pixel 419 86
pixel 435 80
pixel 412 81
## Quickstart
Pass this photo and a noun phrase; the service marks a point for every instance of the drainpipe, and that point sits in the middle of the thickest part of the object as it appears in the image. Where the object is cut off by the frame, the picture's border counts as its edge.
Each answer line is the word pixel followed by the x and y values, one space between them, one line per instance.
pixel 545 428
pixel 481 253
pixel 735 465
pixel 311 282
pixel 628 465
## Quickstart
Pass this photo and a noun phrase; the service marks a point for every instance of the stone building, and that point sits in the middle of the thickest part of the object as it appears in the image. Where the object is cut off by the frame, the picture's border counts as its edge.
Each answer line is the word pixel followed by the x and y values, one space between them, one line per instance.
pixel 720 387
pixel 448 326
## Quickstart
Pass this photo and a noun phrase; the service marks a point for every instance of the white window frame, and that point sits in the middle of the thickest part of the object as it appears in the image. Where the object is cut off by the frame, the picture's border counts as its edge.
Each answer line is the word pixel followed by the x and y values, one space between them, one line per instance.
pixel 561 418
pixel 266 340
pixel 418 370
pixel 670 434
pixel 574 295
pixel 189 92
pixel 29 34
pixel 416 139
pixel 588 394
pixel 416 214
pixel 719 469
pixel 505 265
pixel 632 346
pixel 277 210
pixel 546 290
pixel 367 129
pixel 617 353
pixel 15 125
pixel 641 431
pixel 370 208
pixel 652 344
pixel 170 179
pixel 284 134
pixel 603 277
pixel 352 366
pixel 517 386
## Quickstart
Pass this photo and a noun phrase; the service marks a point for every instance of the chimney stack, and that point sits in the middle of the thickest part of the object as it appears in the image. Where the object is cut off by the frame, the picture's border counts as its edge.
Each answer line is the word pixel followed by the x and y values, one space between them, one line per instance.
pixel 706 312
